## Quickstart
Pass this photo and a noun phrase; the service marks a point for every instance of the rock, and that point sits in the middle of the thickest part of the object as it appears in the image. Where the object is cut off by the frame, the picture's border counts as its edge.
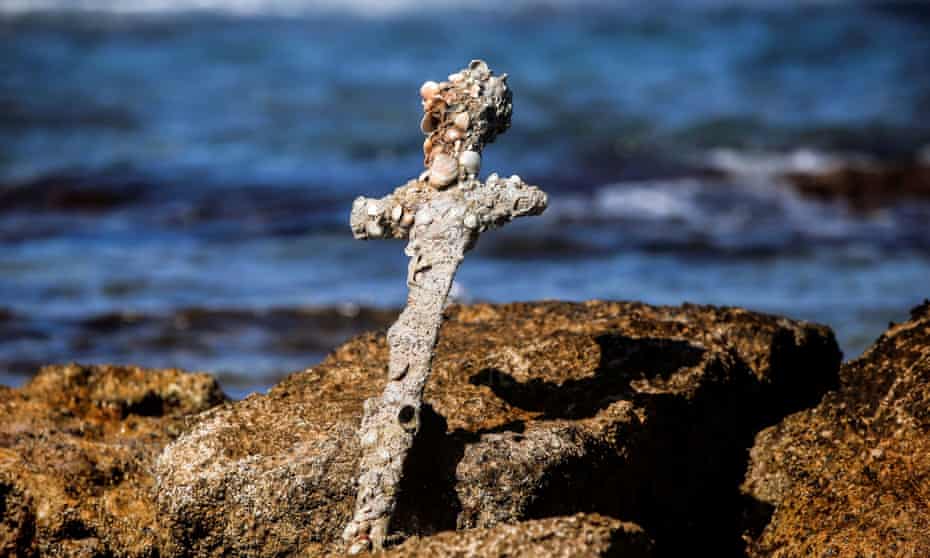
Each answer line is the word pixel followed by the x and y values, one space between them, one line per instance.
pixel 580 535
pixel 76 446
pixel 71 193
pixel 537 410
pixel 851 477
pixel 866 187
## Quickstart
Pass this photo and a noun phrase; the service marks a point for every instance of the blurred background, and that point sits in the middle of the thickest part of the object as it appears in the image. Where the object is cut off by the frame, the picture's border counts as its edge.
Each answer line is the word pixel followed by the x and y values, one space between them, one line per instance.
pixel 176 175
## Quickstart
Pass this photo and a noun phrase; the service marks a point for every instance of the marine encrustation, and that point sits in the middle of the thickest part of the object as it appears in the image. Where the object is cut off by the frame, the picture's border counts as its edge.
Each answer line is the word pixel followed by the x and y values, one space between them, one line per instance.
pixel 441 213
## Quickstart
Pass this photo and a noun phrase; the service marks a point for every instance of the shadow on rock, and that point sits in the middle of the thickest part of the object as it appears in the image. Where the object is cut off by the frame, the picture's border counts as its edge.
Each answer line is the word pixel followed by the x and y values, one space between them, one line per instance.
pixel 689 451
pixel 623 361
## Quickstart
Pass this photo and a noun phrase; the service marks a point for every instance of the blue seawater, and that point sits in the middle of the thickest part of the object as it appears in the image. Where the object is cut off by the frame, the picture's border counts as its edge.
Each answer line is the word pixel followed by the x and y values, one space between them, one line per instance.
pixel 166 163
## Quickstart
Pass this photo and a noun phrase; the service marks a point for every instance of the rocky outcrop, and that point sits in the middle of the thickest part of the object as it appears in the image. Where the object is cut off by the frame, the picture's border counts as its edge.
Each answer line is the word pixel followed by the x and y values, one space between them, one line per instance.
pixel 851 476
pixel 866 187
pixel 76 446
pixel 578 536
pixel 536 411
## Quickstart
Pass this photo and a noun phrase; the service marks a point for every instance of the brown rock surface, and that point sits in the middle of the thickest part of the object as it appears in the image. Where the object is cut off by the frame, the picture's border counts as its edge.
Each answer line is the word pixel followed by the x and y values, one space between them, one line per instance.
pixel 76 444
pixel 851 476
pixel 538 410
pixel 577 536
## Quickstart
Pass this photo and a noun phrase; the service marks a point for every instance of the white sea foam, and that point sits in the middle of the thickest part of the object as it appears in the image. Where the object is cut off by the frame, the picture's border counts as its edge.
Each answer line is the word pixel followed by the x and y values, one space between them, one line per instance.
pixel 655 199
pixel 742 212
pixel 769 164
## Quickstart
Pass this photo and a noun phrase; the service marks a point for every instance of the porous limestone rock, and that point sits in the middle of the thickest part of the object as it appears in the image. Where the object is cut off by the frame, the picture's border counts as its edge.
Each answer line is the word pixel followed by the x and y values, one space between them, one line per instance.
pixel 577 536
pixel 76 446
pixel 851 476
pixel 534 410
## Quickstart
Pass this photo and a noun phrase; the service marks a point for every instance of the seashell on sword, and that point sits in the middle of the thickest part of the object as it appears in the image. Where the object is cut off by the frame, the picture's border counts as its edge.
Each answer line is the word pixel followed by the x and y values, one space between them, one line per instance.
pixel 443 171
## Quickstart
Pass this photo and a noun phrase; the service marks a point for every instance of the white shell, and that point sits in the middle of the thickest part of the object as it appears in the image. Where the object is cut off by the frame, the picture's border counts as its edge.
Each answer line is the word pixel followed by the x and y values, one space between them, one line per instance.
pixel 397 213
pixel 471 161
pixel 497 86
pixel 479 67
pixel 359 547
pixel 374 230
pixel 443 171
pixel 373 209
pixel 514 179
pixel 461 121
pixel 429 89
pixel 471 221
pixel 453 135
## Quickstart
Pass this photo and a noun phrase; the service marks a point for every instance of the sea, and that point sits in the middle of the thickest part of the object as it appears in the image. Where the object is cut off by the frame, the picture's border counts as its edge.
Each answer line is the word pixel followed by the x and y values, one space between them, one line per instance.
pixel 176 175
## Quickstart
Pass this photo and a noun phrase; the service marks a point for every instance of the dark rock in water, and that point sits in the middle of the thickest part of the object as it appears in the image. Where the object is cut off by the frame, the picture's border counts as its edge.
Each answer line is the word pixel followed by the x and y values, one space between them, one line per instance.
pixel 76 447
pixel 67 193
pixel 538 410
pixel 851 477
pixel 867 187
pixel 578 536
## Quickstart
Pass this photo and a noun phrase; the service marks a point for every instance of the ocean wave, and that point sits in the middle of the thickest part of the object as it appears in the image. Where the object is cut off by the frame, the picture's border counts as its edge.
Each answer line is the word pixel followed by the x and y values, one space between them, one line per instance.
pixel 773 164
pixel 858 180
pixel 751 212
pixel 751 202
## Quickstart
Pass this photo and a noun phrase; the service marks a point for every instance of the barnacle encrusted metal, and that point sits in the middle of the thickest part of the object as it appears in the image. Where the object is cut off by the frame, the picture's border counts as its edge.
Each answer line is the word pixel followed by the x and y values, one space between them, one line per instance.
pixel 441 213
